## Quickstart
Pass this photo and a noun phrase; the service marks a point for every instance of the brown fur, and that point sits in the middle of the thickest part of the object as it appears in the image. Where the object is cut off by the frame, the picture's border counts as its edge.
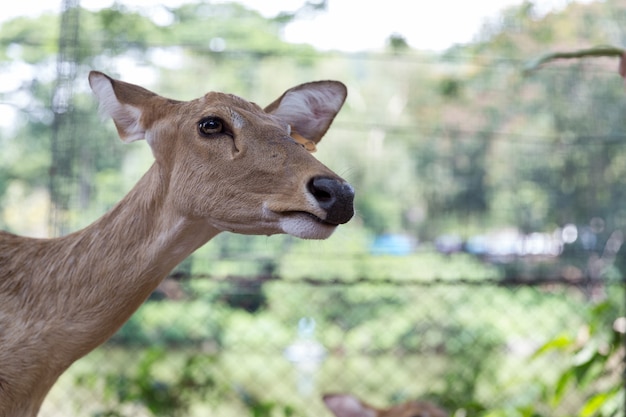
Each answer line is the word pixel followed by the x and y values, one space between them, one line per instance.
pixel 60 298
pixel 347 405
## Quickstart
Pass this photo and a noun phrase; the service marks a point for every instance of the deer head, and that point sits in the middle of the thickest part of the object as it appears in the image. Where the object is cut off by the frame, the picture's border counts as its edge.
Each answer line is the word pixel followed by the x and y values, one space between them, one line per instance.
pixel 228 162
pixel 221 164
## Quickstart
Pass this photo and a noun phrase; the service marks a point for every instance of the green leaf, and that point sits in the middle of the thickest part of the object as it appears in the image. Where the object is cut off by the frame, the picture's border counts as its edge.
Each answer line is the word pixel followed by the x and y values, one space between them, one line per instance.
pixel 593 405
pixel 561 342
pixel 561 386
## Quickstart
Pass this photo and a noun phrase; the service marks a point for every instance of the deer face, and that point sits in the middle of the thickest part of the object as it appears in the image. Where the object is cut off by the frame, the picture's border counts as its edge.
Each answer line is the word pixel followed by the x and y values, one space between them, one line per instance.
pixel 235 165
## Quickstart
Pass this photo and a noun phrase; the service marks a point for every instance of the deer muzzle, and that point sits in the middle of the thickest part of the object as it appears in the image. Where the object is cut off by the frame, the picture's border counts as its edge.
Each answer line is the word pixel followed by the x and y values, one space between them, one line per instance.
pixel 334 196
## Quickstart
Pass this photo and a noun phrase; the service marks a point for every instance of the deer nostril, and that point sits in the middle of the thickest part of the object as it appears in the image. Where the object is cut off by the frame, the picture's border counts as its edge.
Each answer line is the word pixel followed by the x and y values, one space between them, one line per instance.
pixel 322 196
pixel 321 190
pixel 334 196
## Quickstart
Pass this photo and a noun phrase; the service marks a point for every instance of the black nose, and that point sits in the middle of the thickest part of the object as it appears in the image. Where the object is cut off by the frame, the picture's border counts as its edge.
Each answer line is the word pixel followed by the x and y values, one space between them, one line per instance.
pixel 334 196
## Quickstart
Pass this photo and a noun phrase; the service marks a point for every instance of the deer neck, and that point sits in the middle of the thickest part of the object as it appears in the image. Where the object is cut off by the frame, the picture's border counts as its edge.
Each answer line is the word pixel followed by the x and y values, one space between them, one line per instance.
pixel 147 229
pixel 84 286
pixel 112 266
pixel 144 237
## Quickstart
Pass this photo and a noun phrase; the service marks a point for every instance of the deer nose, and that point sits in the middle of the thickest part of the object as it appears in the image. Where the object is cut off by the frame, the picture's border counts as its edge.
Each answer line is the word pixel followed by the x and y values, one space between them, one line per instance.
pixel 334 196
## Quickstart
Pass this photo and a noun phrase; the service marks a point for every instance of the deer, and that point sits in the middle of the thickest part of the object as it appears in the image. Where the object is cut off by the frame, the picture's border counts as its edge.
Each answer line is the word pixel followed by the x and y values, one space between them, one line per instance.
pixel 221 164
pixel 349 405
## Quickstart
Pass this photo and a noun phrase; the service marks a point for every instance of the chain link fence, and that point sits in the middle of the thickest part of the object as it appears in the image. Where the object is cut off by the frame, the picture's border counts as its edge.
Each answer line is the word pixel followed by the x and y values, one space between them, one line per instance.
pixel 249 326
pixel 270 346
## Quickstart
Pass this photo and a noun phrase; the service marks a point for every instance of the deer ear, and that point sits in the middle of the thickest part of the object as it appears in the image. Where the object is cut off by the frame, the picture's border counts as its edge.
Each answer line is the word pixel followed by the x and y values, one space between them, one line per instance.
pixel 310 108
pixel 347 405
pixel 122 102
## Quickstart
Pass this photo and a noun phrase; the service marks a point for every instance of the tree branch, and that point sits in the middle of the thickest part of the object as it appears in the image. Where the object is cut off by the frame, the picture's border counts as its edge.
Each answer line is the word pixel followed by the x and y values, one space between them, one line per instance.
pixel 596 51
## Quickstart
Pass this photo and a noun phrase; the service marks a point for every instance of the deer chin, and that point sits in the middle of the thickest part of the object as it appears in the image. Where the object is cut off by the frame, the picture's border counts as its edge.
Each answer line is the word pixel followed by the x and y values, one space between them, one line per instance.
pixel 300 224
pixel 305 225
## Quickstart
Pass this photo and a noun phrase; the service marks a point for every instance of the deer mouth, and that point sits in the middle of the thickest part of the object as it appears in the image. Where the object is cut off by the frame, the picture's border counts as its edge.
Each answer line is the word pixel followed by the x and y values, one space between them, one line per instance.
pixel 313 217
pixel 306 225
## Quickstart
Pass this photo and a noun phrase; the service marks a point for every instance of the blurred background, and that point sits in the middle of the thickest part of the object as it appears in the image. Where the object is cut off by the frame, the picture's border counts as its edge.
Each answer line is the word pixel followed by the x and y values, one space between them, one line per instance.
pixel 484 269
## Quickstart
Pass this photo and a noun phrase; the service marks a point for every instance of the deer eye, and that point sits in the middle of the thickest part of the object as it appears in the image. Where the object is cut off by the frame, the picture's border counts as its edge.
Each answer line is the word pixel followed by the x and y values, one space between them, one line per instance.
pixel 210 126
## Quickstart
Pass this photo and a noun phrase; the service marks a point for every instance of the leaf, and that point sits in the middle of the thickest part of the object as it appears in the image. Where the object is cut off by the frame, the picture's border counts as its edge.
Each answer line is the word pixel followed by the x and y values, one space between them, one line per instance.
pixel 561 342
pixel 561 386
pixel 586 354
pixel 588 371
pixel 593 405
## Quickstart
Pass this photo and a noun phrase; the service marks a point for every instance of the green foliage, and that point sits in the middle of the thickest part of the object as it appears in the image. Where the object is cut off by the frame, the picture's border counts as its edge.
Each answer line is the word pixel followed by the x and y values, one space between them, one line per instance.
pixel 594 356
pixel 449 343
pixel 32 41
pixel 426 149
pixel 264 408
pixel 245 294
pixel 589 383
pixel 433 143
pixel 120 28
pixel 397 43
pixel 350 309
pixel 450 88
pixel 198 23
pixel 193 324
pixel 160 394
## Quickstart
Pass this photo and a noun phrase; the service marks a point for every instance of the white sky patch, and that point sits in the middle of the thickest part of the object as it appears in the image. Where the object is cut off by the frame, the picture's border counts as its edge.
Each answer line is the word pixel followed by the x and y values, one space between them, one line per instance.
pixel 348 25
pixel 170 58
pixel 8 116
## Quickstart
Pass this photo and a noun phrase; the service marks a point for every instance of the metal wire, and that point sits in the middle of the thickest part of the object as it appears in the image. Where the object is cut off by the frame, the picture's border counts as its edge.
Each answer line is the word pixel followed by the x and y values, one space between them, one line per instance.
pixel 62 182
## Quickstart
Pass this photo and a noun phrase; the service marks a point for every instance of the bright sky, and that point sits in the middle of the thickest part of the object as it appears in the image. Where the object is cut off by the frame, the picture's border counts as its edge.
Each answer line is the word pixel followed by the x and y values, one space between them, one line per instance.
pixel 349 25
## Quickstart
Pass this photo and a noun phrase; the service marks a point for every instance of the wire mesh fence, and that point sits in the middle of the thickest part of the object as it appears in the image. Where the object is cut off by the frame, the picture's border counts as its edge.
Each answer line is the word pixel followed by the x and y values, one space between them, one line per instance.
pixel 251 336
pixel 266 345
